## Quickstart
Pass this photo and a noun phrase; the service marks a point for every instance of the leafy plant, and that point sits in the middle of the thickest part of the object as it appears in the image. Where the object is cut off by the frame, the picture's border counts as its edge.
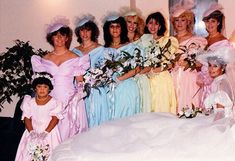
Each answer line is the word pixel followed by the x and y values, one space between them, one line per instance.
pixel 16 71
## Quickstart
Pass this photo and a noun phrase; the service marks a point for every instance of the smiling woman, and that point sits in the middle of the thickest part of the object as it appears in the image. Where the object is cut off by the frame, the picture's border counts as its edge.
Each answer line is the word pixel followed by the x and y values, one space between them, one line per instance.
pixel 64 65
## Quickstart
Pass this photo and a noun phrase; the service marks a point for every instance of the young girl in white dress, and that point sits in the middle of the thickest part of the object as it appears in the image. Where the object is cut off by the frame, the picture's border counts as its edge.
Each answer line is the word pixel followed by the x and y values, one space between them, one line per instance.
pixel 41 115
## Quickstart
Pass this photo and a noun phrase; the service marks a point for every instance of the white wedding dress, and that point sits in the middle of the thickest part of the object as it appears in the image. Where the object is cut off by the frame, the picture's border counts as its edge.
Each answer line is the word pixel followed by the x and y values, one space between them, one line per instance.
pixel 153 137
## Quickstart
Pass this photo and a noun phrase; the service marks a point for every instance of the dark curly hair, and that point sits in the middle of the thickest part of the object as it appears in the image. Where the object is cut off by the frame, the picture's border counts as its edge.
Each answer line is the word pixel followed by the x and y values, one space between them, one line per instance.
pixel 42 80
pixel 158 17
pixel 107 36
pixel 219 16
pixel 91 26
pixel 65 31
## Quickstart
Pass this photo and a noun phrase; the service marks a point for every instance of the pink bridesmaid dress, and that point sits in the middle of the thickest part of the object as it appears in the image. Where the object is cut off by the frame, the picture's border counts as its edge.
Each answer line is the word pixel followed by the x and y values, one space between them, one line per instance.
pixel 187 91
pixel 67 91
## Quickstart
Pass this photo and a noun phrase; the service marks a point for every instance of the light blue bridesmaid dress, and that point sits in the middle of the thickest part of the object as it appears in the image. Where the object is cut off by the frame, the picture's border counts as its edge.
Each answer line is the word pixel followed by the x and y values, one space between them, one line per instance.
pixel 124 97
pixel 97 103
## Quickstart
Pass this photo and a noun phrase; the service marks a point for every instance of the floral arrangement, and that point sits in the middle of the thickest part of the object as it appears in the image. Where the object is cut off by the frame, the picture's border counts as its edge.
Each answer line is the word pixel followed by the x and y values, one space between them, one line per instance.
pixel 38 151
pixel 128 62
pixel 190 51
pixel 103 72
pixel 161 54
pixel 97 77
pixel 16 71
pixel 188 112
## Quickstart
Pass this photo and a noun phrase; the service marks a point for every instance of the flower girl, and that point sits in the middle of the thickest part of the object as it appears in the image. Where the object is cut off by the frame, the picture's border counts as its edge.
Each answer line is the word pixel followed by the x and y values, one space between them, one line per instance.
pixel 41 115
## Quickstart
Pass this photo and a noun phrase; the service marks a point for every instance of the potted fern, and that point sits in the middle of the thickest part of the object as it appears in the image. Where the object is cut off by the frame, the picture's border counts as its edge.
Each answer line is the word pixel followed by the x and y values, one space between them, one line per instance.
pixel 16 71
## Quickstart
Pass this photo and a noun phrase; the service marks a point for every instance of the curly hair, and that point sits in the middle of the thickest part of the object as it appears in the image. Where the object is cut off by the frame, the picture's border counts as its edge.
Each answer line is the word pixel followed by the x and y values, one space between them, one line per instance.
pixel 189 15
pixel 65 31
pixel 140 25
pixel 90 26
pixel 107 36
pixel 158 17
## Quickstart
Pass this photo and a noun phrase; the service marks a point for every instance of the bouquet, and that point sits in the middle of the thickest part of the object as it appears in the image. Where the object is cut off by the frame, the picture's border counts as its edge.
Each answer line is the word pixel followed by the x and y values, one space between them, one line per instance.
pixel 190 51
pixel 161 53
pixel 38 151
pixel 128 62
pixel 188 112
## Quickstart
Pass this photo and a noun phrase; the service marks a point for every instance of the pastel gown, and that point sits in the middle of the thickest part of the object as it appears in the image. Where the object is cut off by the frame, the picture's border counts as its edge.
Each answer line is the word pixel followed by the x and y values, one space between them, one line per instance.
pixel 41 117
pixel 142 79
pixel 163 98
pixel 124 97
pixel 187 90
pixel 96 104
pixel 65 90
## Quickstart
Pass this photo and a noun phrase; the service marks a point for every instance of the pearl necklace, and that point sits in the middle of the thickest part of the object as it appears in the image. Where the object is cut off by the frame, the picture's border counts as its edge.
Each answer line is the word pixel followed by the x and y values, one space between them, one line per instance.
pixel 59 53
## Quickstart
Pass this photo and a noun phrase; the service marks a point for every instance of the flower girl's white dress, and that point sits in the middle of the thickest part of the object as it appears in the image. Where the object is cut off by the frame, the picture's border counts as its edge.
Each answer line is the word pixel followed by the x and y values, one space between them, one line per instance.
pixel 41 116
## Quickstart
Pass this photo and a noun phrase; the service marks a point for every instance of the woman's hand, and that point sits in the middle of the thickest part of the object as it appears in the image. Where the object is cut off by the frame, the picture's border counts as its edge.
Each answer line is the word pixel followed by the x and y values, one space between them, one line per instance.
pixel 157 70
pixel 79 78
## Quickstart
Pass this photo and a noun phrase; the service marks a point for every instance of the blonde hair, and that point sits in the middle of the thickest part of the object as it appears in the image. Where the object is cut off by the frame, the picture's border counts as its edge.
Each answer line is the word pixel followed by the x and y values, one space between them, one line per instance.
pixel 140 25
pixel 190 18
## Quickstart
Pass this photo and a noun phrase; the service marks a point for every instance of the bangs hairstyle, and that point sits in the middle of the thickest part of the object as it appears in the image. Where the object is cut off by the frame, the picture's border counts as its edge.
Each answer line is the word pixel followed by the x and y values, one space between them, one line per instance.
pixel 42 80
pixel 219 16
pixel 189 15
pixel 90 26
pixel 158 17
pixel 107 36
pixel 65 31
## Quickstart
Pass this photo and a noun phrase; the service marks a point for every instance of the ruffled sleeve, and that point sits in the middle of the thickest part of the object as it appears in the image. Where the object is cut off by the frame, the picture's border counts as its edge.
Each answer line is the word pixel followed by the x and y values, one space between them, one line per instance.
pixel 37 64
pixel 82 65
pixel 144 41
pixel 57 109
pixel 26 107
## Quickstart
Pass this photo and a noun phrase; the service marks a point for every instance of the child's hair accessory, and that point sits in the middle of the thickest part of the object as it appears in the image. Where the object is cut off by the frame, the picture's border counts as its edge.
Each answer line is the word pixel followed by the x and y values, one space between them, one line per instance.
pixel 80 21
pixel 56 24
pixel 43 75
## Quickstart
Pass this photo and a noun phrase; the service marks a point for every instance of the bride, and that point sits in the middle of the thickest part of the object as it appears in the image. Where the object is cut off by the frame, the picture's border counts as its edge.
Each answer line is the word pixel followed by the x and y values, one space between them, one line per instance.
pixel 163 136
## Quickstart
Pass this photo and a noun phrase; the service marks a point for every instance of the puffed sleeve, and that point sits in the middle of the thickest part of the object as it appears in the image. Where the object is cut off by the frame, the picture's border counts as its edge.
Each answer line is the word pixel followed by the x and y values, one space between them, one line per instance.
pixel 81 66
pixel 57 109
pixel 144 41
pixel 37 64
pixel 26 107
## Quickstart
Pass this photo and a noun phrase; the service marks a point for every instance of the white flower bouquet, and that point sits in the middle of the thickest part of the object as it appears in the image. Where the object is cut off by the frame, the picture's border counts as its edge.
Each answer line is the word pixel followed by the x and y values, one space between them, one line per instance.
pixel 161 54
pixel 128 61
pixel 189 52
pixel 38 151
pixel 189 112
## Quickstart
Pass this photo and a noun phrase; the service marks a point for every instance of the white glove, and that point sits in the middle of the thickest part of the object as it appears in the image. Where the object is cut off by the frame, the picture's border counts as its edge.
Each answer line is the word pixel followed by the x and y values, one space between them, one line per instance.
pixel 33 135
pixel 43 135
